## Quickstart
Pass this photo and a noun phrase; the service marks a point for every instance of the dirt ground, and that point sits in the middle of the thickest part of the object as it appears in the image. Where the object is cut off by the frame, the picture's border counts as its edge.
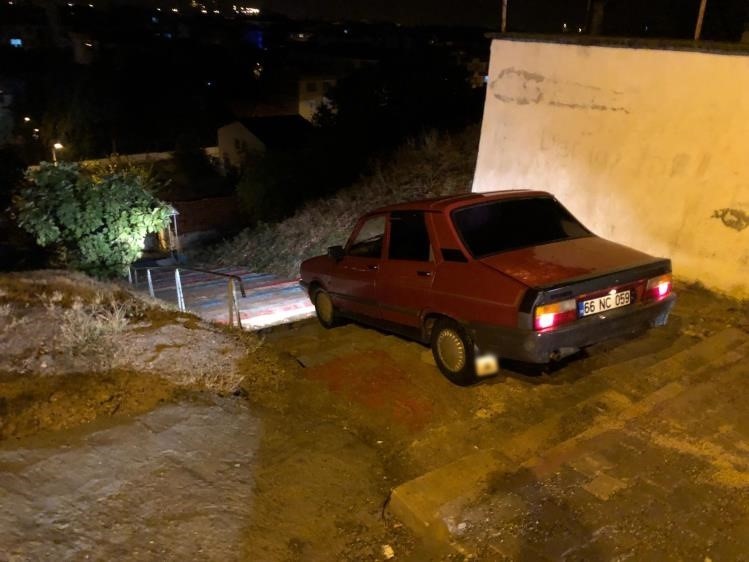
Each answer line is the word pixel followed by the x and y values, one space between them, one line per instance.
pixel 81 360
pixel 310 429
pixel 74 349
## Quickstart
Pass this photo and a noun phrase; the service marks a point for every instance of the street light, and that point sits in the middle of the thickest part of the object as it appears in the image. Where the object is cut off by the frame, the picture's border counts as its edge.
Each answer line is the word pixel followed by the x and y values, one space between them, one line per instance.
pixel 55 147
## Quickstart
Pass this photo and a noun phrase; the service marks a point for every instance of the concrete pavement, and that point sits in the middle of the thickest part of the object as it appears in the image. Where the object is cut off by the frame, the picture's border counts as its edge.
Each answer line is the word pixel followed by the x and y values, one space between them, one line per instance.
pixel 478 466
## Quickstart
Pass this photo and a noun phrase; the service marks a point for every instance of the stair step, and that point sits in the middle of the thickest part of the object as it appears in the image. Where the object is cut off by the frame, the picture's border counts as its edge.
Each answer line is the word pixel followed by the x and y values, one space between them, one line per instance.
pixel 430 503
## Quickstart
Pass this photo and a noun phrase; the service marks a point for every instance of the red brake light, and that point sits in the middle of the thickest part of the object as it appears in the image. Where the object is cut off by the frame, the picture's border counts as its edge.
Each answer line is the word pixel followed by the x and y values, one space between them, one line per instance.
pixel 659 287
pixel 552 315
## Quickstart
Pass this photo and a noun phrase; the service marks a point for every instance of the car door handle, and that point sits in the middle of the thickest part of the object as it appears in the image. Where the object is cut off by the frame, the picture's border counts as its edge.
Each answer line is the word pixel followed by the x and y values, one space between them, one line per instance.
pixel 424 273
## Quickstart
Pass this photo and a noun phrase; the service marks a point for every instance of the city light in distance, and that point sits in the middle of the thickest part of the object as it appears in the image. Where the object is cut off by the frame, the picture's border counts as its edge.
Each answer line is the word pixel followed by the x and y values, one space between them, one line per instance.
pixel 246 10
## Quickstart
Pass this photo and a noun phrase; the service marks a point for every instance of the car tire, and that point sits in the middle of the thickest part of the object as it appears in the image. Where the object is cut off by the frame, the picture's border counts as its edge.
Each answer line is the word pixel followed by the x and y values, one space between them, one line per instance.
pixel 325 310
pixel 454 352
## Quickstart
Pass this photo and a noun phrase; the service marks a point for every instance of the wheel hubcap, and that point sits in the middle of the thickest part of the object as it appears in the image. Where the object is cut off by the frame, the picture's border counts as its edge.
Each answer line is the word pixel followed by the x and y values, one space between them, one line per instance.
pixel 324 307
pixel 451 350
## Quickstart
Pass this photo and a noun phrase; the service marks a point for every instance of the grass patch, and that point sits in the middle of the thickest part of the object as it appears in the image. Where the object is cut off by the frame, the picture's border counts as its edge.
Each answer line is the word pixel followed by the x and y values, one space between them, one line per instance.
pixel 434 165
pixel 91 328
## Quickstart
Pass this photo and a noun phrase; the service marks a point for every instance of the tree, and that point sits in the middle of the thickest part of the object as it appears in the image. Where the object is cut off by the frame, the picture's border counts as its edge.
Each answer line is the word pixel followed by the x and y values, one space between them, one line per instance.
pixel 11 173
pixel 380 105
pixel 95 223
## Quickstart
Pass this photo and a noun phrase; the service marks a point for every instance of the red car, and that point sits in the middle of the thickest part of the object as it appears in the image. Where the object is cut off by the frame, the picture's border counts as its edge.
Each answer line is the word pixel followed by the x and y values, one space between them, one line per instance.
pixel 509 274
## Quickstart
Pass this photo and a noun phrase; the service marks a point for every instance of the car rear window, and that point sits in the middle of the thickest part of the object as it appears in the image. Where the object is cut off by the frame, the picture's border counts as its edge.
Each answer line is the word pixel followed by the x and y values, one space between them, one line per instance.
pixel 510 224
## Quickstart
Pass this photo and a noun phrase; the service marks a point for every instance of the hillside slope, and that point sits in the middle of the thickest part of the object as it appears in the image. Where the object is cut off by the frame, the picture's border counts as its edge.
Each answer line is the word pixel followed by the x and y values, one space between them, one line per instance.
pixel 432 166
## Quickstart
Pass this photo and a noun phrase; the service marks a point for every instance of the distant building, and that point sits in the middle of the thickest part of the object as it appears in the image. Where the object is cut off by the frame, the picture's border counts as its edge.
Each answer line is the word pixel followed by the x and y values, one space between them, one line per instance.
pixel 313 92
pixel 241 138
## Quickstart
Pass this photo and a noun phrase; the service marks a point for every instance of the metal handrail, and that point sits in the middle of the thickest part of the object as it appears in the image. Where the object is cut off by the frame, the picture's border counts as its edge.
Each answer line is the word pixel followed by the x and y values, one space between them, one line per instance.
pixel 237 278
pixel 231 292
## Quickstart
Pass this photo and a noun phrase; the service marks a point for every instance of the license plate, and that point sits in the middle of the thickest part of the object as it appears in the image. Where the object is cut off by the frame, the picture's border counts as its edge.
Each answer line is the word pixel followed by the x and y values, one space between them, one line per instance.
pixel 602 304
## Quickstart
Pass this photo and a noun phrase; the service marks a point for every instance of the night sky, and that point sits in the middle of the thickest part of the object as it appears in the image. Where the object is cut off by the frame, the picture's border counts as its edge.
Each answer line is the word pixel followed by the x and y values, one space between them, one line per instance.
pixel 483 13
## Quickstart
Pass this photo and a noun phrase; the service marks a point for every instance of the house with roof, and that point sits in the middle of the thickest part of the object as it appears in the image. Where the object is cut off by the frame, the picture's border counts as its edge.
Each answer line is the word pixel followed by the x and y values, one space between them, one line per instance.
pixel 313 92
pixel 241 138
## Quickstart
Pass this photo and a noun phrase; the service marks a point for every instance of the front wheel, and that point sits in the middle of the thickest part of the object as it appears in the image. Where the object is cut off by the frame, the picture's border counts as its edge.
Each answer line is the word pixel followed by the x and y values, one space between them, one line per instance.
pixel 454 352
pixel 324 309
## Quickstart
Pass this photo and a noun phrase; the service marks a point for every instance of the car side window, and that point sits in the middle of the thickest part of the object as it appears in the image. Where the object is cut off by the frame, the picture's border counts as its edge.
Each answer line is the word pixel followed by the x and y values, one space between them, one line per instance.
pixel 409 239
pixel 368 241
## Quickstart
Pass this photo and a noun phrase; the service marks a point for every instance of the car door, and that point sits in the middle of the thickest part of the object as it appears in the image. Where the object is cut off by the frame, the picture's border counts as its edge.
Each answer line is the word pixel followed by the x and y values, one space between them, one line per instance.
pixel 407 271
pixel 352 286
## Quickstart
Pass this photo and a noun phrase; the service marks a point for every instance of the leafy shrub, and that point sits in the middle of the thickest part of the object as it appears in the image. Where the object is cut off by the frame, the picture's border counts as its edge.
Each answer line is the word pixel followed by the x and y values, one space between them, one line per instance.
pixel 96 223
pixel 11 173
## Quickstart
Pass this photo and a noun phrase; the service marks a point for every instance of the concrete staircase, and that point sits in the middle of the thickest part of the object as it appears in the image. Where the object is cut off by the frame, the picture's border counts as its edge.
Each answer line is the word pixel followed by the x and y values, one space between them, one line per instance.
pixel 545 495
pixel 269 300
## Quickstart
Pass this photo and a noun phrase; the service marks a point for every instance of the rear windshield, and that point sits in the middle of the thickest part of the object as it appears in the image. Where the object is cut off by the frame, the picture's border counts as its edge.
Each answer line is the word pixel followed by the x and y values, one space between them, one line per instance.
pixel 499 226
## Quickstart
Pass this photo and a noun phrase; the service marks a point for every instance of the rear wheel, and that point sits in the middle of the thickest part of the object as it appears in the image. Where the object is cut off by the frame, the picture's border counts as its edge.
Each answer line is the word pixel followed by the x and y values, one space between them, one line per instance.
pixel 454 352
pixel 326 312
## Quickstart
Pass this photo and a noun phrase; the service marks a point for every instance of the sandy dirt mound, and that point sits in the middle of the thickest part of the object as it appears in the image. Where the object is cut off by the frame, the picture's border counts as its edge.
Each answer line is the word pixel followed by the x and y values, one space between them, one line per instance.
pixel 72 349
pixel 29 404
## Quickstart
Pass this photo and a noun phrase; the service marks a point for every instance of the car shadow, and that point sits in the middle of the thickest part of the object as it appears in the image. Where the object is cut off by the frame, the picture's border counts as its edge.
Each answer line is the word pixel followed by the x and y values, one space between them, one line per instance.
pixel 535 374
pixel 539 370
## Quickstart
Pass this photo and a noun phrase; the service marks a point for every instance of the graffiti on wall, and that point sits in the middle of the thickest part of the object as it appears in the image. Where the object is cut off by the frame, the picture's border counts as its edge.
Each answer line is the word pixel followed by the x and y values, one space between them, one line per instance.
pixel 733 218
pixel 514 85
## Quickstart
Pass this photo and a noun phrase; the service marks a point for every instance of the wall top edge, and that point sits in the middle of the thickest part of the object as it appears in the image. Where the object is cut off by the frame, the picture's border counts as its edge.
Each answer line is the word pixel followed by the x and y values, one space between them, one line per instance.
pixel 712 47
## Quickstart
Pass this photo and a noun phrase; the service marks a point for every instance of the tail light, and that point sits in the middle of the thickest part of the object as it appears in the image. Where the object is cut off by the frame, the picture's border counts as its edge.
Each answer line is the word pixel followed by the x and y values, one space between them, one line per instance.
pixel 658 287
pixel 550 316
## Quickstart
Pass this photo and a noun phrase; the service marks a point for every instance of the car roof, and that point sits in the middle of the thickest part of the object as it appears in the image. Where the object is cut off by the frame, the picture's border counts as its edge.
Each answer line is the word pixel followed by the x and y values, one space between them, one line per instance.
pixel 449 202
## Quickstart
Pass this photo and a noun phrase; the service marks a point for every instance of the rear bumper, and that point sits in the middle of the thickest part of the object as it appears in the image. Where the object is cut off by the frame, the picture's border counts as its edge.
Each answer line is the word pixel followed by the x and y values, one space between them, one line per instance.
pixel 542 347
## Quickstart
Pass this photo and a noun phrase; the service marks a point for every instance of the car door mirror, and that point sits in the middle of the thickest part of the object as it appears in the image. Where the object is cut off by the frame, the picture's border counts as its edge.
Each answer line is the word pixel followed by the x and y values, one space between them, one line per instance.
pixel 336 252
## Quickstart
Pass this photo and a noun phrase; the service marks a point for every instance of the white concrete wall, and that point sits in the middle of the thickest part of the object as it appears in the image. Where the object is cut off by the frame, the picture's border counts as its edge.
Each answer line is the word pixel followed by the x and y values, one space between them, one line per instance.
pixel 647 147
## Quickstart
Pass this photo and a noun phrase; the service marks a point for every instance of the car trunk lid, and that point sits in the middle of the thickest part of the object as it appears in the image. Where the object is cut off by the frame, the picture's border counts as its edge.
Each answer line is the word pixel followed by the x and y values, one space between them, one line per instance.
pixel 567 261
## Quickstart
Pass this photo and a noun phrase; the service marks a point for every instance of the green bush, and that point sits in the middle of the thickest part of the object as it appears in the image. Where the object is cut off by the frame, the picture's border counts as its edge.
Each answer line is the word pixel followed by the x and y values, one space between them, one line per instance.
pixel 95 223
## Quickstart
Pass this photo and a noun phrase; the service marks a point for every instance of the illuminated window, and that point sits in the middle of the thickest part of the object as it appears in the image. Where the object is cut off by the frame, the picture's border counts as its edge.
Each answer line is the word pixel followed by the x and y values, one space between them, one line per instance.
pixel 16 42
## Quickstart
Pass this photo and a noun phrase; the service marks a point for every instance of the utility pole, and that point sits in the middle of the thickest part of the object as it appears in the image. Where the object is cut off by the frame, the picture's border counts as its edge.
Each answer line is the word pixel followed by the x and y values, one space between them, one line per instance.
pixel 588 12
pixel 700 19
pixel 55 147
pixel 595 14
pixel 504 16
